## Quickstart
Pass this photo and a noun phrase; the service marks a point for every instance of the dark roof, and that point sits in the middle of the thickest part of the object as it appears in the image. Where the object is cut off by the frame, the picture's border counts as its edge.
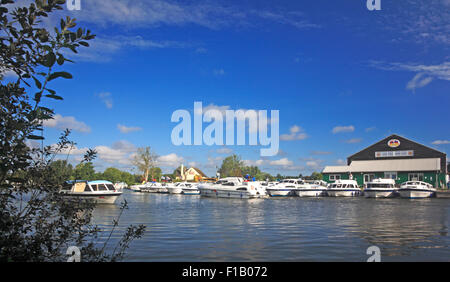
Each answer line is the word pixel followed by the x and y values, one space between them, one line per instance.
pixel 393 136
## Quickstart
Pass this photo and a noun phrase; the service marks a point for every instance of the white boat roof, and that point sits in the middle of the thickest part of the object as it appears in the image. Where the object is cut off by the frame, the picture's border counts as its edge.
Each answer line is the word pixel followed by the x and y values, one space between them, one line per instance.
pixel 382 181
pixel 426 164
pixel 345 181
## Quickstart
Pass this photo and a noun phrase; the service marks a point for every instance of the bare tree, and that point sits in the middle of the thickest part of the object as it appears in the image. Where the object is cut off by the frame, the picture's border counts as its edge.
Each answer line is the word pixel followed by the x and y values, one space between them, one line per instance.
pixel 145 161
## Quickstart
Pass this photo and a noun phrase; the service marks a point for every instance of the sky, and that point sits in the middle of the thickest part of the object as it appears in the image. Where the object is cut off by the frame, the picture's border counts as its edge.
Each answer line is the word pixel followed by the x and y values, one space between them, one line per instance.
pixel 341 76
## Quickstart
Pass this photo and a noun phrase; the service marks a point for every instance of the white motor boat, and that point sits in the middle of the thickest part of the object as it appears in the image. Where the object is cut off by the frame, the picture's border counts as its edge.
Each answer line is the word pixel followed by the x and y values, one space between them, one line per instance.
pixel 416 190
pixel 344 188
pixel 100 191
pixel 175 188
pixel 190 189
pixel 285 188
pixel 151 187
pixel 316 188
pixel 120 186
pixel 380 188
pixel 137 187
pixel 232 187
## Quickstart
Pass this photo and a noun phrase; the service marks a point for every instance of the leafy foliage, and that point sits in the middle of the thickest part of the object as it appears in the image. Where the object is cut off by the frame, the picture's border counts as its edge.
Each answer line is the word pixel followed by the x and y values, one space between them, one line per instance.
pixel 36 224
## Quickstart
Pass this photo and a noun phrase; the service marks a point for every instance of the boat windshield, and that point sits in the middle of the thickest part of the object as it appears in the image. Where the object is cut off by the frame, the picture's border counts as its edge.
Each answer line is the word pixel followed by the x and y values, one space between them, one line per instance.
pixel 102 187
pixel 379 185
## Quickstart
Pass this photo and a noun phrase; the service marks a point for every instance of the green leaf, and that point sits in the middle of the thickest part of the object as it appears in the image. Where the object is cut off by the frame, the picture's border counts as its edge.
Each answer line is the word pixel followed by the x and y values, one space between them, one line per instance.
pixel 49 60
pixel 62 74
pixel 85 44
pixel 56 97
pixel 37 82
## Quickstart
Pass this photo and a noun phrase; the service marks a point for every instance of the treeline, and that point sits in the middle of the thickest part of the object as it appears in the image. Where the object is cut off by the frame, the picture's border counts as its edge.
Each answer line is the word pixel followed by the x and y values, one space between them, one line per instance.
pixel 234 166
pixel 85 171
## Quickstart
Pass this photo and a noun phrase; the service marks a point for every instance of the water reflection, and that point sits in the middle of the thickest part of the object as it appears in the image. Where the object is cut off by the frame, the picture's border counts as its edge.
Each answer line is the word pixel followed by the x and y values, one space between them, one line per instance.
pixel 193 228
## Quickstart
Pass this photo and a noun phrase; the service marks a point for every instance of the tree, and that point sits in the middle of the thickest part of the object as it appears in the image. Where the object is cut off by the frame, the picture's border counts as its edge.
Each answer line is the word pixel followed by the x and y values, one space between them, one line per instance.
pixel 36 223
pixel 61 171
pixel 231 166
pixel 316 176
pixel 112 174
pixel 145 161
pixel 84 171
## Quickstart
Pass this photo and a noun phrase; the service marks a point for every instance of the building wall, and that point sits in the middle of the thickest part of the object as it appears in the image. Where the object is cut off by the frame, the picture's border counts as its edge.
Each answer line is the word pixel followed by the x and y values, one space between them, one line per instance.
pixel 429 177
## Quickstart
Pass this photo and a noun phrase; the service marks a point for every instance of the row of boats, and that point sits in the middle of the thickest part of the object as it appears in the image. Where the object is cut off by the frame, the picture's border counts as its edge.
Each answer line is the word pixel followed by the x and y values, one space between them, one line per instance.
pixel 235 187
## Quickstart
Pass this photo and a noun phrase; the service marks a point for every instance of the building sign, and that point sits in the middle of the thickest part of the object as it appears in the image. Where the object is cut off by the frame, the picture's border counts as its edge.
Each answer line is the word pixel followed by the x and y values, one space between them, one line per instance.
pixel 387 154
pixel 393 143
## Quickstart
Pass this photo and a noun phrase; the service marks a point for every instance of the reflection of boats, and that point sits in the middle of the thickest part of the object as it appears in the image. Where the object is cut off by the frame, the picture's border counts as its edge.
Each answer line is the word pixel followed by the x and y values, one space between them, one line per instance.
pixel 232 187
pixel 101 191
pixel 416 189
pixel 285 188
pixel 313 189
pixel 343 188
pixel 380 188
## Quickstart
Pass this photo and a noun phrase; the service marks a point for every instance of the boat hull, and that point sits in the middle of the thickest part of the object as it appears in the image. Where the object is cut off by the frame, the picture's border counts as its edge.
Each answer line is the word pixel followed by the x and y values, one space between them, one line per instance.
pixel 343 193
pixel 310 193
pixel 174 190
pixel 99 199
pixel 218 193
pixel 415 194
pixel 279 192
pixel 379 193
pixel 191 192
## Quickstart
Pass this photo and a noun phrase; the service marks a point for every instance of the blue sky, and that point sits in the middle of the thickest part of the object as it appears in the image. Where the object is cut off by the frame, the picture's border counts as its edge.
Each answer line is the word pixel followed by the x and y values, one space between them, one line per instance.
pixel 341 76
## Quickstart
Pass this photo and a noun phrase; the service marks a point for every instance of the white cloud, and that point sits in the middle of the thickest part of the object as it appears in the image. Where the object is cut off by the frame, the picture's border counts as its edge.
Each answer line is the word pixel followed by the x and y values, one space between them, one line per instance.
pixel 341 162
pixel 170 160
pixel 218 72
pixel 282 162
pixel 125 129
pixel 342 129
pixel 369 129
pixel 424 73
pixel 60 122
pixel 106 98
pixel 353 140
pixel 296 133
pixel 224 151
pixel 441 142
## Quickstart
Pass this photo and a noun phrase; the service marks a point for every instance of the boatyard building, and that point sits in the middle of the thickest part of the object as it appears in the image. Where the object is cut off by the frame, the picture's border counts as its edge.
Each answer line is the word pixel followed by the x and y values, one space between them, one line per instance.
pixel 393 157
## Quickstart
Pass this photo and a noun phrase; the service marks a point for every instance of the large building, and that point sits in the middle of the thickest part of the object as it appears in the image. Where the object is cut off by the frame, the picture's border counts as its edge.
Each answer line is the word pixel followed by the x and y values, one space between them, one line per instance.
pixel 393 157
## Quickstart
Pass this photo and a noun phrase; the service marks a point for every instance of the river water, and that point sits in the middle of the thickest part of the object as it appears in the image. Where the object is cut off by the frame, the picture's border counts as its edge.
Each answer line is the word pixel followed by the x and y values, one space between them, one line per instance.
pixel 194 228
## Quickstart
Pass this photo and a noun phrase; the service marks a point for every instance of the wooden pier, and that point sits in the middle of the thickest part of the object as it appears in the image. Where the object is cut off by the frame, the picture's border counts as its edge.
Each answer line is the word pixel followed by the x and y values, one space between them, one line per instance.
pixel 443 194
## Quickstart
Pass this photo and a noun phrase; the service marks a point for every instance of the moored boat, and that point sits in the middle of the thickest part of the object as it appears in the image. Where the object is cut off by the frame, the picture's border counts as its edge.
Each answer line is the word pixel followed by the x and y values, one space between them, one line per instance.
pixel 232 187
pixel 380 188
pixel 285 188
pixel 344 188
pixel 316 188
pixel 416 190
pixel 100 191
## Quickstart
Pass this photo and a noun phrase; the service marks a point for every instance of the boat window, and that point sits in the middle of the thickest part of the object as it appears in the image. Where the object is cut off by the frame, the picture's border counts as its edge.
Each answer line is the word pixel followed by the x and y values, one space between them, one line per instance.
pixel 242 189
pixel 228 184
pixel 102 187
pixel 338 185
pixel 94 187
pixel 110 187
pixel 87 189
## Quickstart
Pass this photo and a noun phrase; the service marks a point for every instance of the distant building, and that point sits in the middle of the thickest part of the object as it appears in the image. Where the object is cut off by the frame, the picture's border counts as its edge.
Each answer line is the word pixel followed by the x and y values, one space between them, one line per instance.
pixel 189 174
pixel 393 157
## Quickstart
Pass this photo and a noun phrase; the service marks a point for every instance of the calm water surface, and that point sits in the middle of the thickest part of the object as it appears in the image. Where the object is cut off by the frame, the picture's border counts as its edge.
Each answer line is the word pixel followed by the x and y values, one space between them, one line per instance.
pixel 193 228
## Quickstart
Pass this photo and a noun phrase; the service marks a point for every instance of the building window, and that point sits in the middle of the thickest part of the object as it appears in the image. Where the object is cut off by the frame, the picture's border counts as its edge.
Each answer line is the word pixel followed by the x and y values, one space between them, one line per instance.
pixel 368 177
pixel 390 175
pixel 415 176
pixel 334 177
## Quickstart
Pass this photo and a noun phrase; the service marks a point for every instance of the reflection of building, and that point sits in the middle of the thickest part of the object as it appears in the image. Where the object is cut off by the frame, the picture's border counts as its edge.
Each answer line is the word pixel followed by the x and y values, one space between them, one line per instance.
pixel 189 174
pixel 393 157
